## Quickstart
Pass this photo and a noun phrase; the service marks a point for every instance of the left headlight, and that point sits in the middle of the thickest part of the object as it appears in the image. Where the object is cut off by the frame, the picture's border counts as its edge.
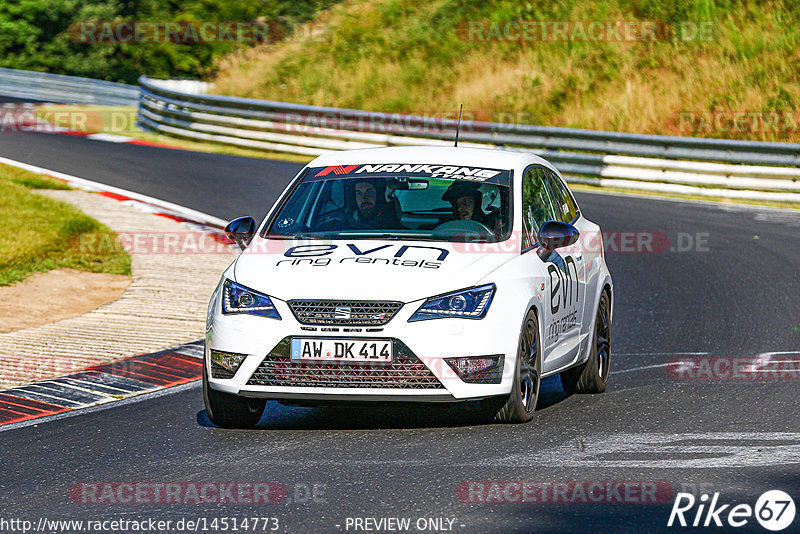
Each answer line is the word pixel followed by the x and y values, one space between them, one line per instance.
pixel 470 303
pixel 240 299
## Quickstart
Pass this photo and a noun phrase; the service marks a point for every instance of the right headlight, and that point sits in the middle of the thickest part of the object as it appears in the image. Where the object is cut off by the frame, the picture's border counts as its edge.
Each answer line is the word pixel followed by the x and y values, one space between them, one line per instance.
pixel 470 303
pixel 240 299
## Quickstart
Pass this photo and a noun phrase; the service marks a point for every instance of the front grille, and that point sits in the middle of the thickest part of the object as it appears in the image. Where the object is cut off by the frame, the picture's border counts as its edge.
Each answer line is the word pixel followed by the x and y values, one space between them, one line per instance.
pixel 405 372
pixel 344 312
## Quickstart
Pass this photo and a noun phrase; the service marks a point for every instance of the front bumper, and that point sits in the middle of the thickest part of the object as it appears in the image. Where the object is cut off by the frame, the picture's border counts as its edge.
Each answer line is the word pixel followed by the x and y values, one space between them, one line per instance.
pixel 418 371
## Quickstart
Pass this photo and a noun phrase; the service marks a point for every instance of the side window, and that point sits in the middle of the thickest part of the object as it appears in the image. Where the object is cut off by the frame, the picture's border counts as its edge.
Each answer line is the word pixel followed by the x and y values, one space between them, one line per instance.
pixel 548 207
pixel 537 204
pixel 567 208
pixel 559 203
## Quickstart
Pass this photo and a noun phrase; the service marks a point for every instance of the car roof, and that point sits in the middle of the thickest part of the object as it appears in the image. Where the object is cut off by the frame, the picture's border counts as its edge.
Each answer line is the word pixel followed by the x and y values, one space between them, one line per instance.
pixel 462 156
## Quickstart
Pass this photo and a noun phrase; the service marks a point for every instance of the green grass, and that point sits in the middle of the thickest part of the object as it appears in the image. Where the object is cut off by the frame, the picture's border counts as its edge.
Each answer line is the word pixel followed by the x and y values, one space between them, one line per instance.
pixel 29 179
pixel 411 56
pixel 38 234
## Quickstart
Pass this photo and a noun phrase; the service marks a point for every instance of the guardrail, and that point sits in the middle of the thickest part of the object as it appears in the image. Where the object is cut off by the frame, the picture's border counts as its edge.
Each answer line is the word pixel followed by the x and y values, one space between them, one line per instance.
pixel 57 88
pixel 705 167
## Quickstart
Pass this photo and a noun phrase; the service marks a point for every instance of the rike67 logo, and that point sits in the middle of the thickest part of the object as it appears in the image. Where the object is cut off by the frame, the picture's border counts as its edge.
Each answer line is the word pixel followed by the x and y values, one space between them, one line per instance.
pixel 774 510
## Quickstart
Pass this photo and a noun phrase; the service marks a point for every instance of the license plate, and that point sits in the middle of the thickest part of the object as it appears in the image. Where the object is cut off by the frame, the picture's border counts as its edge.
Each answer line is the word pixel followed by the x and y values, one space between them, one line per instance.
pixel 341 350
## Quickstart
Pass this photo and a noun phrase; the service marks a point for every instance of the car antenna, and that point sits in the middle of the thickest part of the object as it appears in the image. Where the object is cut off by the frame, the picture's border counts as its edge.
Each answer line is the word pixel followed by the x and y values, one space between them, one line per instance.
pixel 458 124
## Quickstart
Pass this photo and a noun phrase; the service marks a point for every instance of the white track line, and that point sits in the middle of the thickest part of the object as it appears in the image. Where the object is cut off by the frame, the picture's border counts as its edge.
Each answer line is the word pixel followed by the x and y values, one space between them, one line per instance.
pixel 645 367
pixel 656 366
pixel 659 353
pixel 91 185
pixel 718 204
pixel 765 356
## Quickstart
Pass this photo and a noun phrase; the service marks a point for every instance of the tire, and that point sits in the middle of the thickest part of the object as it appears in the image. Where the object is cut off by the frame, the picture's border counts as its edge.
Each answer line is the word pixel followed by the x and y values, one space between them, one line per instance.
pixel 521 403
pixel 230 411
pixel 592 376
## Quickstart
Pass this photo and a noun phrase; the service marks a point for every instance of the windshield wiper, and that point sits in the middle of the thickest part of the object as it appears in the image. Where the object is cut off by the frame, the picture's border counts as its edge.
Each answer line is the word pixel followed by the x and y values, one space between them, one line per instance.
pixel 381 236
pixel 293 236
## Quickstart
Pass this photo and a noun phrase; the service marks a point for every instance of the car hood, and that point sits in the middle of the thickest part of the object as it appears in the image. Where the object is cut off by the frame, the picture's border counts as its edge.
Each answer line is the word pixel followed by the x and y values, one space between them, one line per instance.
pixel 365 269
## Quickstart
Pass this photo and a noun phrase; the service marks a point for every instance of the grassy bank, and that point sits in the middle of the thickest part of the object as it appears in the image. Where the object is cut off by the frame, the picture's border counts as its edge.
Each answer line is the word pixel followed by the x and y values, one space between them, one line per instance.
pixel 706 61
pixel 39 234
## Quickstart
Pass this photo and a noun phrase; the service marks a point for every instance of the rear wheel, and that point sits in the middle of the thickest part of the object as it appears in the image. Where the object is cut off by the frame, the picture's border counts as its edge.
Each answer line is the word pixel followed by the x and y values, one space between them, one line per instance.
pixel 592 376
pixel 230 411
pixel 520 405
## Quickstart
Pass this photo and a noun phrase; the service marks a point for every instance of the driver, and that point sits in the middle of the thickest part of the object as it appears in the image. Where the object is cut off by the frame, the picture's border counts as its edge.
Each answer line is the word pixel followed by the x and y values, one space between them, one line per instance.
pixel 372 211
pixel 366 201
pixel 466 200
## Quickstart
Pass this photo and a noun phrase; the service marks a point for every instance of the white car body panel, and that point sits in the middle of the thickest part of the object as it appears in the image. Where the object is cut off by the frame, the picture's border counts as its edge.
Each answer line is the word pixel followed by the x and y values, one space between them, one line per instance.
pixel 523 281
pixel 305 280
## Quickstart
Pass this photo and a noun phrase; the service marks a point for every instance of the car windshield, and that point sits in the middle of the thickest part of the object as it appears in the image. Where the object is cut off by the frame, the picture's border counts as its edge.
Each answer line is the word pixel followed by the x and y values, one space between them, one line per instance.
pixel 426 202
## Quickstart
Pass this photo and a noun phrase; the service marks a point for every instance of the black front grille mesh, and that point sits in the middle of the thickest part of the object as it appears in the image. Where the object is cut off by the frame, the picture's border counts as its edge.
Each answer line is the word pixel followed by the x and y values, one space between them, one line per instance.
pixel 406 371
pixel 344 312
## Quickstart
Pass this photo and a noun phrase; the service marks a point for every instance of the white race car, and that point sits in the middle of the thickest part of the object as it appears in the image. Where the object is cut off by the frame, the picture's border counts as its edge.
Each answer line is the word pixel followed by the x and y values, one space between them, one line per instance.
pixel 411 274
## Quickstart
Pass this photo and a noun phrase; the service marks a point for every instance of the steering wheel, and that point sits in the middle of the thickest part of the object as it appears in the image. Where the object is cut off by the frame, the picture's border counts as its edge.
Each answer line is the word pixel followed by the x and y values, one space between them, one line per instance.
pixel 462 227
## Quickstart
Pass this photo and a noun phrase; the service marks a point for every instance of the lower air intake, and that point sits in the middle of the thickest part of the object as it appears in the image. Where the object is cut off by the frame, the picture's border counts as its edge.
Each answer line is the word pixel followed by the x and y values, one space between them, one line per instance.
pixel 406 371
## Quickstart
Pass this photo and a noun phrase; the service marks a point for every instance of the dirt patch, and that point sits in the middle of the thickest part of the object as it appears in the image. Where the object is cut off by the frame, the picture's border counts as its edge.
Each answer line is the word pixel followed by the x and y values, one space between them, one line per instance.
pixel 46 297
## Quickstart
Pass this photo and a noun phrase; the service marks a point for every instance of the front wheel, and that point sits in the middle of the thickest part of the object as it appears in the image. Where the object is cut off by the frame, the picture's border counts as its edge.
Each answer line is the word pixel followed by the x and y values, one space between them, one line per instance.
pixel 230 411
pixel 520 405
pixel 592 376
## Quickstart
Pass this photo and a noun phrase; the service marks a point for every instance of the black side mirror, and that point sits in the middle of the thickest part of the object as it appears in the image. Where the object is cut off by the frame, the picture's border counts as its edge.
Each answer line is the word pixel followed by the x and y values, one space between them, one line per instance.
pixel 557 234
pixel 241 230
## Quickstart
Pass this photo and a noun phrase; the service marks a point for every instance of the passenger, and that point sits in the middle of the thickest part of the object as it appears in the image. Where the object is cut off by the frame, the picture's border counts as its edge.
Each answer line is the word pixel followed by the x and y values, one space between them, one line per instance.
pixel 466 200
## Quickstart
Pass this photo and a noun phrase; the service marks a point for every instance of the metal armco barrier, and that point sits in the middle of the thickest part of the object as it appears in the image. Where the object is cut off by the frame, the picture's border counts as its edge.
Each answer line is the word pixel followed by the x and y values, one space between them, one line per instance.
pixel 705 167
pixel 56 88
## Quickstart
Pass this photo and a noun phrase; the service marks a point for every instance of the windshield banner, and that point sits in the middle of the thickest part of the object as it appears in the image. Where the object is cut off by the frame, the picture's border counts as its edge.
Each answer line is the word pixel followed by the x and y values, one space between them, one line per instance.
pixel 411 170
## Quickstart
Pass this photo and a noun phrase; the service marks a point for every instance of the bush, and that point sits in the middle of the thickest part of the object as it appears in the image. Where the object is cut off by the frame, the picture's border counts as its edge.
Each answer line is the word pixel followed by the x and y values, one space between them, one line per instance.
pixel 34 35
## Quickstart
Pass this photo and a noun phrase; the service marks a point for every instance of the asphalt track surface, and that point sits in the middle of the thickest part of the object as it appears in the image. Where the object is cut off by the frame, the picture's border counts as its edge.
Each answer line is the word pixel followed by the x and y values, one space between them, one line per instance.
pixel 734 295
